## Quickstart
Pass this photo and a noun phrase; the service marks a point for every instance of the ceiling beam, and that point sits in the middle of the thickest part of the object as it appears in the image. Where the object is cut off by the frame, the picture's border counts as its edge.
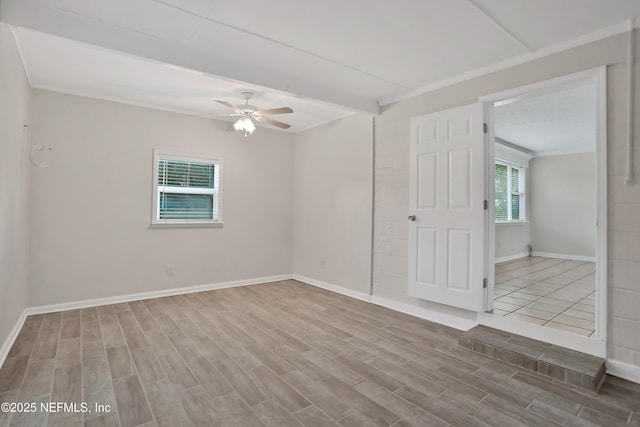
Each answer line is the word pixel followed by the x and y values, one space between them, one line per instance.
pixel 40 16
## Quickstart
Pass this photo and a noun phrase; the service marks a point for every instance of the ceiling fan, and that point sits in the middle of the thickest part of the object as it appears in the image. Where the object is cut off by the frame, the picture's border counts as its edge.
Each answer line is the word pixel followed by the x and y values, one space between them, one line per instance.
pixel 246 113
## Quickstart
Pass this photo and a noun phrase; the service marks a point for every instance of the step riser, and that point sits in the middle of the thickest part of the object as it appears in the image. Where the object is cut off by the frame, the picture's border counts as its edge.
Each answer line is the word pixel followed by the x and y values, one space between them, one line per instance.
pixel 572 367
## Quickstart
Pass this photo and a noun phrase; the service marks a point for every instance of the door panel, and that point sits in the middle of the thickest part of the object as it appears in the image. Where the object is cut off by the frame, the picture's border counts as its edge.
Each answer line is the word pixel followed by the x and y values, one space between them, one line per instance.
pixel 428 177
pixel 459 179
pixel 446 239
pixel 459 258
pixel 427 267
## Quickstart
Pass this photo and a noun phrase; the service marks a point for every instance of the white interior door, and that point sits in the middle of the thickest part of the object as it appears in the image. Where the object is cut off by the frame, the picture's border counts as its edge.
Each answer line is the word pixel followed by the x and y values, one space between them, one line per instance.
pixel 447 219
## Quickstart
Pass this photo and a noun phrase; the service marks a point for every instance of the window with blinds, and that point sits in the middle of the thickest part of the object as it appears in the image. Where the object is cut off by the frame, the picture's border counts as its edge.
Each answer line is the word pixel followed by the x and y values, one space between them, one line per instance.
pixel 509 196
pixel 187 189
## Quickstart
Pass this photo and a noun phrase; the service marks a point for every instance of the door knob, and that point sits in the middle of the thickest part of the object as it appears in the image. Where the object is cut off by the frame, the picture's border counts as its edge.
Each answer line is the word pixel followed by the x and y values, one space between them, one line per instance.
pixel 412 218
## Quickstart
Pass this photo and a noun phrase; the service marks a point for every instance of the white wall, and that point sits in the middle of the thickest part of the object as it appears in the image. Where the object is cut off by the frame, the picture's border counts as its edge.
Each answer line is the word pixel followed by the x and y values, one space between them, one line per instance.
pixel 333 197
pixel 391 209
pixel 91 209
pixel 512 240
pixel 562 201
pixel 15 109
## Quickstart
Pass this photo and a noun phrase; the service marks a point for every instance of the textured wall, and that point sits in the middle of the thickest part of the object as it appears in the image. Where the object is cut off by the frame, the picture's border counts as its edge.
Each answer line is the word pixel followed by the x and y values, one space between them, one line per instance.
pixel 332 202
pixel 392 181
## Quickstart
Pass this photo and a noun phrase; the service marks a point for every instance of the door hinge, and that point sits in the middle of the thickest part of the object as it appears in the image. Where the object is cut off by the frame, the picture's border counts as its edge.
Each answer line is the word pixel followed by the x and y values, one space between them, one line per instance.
pixel 485 128
pixel 484 283
pixel 486 205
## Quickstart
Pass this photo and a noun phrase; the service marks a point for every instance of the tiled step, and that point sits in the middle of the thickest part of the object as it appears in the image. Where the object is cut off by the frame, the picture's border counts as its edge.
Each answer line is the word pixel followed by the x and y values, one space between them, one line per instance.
pixel 572 367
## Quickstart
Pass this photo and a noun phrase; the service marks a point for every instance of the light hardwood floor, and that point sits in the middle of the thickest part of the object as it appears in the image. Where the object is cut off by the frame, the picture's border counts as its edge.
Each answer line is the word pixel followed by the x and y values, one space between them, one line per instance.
pixel 550 292
pixel 280 354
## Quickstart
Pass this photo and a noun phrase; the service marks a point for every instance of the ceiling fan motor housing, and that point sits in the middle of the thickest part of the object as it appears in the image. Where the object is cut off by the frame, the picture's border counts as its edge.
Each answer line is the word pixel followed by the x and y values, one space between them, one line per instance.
pixel 246 107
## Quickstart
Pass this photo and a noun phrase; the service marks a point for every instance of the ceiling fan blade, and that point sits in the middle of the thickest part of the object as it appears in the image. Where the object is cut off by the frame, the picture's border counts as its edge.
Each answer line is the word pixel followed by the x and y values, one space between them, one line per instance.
pixel 272 122
pixel 283 110
pixel 227 104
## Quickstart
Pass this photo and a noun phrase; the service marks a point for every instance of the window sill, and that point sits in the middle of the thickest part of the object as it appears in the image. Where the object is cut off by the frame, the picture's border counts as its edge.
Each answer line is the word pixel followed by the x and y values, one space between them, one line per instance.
pixel 187 224
pixel 505 223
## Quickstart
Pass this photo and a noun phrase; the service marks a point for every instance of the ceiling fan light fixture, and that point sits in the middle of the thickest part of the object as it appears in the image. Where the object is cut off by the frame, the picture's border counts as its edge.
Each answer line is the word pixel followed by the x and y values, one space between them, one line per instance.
pixel 245 124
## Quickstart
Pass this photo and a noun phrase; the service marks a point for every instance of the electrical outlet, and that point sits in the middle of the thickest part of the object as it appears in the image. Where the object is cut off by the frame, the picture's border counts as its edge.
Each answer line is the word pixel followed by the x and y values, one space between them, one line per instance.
pixel 321 264
pixel 171 269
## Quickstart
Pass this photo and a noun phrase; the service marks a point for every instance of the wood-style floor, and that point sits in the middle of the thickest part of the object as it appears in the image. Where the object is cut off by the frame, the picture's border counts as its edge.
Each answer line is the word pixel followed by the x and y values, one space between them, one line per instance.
pixel 280 354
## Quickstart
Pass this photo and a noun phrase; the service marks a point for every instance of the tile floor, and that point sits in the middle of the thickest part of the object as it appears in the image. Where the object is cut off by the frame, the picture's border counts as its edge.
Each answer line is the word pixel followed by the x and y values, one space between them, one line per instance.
pixel 280 354
pixel 550 292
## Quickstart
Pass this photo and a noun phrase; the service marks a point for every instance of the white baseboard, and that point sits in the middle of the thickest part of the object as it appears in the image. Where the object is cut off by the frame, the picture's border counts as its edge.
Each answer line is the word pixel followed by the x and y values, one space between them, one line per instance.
pixel 511 257
pixel 565 256
pixel 442 317
pixel 333 288
pixel 623 370
pixel 8 342
pixel 153 294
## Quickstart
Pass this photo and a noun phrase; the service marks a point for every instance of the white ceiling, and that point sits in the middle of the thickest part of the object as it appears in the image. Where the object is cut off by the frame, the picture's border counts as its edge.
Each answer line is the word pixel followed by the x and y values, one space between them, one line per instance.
pixel 553 122
pixel 68 66
pixel 355 54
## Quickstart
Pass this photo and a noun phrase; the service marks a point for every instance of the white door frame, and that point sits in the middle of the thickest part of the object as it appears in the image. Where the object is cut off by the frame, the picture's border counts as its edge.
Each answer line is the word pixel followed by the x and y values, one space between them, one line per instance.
pixel 597 345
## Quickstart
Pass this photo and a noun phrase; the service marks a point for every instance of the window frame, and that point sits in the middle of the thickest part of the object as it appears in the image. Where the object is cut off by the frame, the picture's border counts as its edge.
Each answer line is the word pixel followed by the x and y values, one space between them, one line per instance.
pixel 510 192
pixel 217 193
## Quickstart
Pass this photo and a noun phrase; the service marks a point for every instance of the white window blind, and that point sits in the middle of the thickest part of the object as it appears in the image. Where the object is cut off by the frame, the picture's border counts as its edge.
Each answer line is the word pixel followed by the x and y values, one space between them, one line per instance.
pixel 509 195
pixel 187 189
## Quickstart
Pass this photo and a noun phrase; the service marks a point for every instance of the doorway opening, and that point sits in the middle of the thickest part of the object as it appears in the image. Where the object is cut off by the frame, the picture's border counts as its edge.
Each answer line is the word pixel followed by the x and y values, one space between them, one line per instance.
pixel 546 231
